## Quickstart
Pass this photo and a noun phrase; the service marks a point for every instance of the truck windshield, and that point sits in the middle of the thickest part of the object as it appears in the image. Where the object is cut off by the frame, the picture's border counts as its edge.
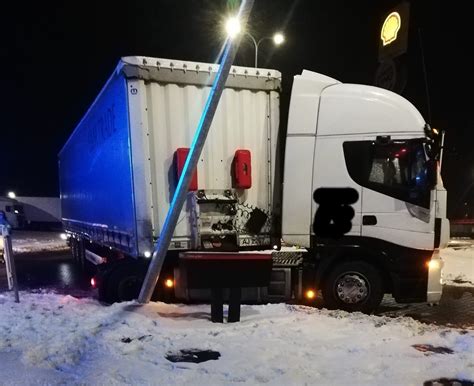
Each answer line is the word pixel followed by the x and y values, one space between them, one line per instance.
pixel 400 169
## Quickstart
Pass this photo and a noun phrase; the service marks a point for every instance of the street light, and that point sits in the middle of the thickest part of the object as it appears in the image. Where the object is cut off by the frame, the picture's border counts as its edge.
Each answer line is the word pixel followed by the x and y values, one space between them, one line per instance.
pixel 233 28
pixel 278 38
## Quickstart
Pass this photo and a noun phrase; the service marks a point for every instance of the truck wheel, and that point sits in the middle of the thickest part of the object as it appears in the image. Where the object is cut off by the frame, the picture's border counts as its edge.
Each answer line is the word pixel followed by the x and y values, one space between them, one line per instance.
pixel 353 286
pixel 122 283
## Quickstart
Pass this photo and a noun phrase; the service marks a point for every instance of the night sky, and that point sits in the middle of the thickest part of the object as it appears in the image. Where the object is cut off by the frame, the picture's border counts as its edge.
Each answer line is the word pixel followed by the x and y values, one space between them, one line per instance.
pixel 56 57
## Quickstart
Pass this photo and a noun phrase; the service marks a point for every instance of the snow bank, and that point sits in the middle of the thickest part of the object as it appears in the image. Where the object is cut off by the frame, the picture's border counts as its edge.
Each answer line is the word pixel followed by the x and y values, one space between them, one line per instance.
pixel 60 339
pixel 31 242
pixel 458 267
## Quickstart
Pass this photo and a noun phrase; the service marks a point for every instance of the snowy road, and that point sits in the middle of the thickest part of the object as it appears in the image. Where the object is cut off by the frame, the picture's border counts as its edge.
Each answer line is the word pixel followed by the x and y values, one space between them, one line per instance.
pixel 33 241
pixel 57 272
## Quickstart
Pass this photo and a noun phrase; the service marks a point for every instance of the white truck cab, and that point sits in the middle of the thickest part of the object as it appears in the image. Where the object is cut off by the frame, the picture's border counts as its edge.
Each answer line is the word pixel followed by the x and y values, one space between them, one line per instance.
pixel 377 143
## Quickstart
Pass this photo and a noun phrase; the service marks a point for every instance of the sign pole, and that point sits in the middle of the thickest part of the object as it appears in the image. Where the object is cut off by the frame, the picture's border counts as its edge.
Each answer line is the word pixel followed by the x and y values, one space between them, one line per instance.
pixel 9 261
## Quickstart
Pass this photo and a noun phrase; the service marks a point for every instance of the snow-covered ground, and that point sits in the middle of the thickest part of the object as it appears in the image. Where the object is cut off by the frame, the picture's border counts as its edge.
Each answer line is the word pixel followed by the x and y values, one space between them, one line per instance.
pixel 54 339
pixel 458 267
pixel 32 241
pixel 51 339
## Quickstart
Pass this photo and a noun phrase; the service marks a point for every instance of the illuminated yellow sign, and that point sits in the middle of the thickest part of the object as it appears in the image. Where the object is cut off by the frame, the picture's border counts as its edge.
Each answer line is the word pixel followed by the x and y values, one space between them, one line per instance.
pixel 390 28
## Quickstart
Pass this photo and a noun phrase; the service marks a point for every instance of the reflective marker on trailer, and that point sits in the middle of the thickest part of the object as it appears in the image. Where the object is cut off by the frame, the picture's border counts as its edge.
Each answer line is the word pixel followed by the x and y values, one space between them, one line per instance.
pixel 169 283
pixel 93 283
pixel 310 294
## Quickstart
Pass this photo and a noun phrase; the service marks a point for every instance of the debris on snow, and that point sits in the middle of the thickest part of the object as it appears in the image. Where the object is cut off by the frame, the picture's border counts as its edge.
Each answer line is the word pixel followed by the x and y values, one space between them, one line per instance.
pixel 193 356
pixel 429 349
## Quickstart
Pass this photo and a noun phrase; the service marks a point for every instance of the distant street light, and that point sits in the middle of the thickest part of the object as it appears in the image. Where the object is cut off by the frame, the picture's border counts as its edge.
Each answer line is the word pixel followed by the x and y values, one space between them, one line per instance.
pixel 278 38
pixel 233 28
pixel 11 195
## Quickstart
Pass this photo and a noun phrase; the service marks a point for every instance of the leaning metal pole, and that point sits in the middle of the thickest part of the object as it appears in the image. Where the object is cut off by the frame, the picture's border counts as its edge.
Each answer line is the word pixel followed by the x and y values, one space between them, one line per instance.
pixel 161 247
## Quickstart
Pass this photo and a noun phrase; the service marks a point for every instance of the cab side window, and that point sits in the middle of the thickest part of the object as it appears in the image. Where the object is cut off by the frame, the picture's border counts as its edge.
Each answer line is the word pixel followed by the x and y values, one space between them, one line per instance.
pixel 397 169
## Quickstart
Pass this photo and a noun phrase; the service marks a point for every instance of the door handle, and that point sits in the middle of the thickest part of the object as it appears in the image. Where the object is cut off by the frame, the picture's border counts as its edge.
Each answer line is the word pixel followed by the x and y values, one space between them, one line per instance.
pixel 369 220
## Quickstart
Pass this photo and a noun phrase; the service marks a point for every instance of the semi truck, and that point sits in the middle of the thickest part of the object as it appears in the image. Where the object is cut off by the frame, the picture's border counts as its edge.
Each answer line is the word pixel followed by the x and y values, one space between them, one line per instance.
pixel 255 183
pixel 41 212
pixel 14 212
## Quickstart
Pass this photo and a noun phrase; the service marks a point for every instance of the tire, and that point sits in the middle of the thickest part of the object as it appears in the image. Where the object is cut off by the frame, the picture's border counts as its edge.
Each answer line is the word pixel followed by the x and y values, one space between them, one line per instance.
pixel 122 283
pixel 353 286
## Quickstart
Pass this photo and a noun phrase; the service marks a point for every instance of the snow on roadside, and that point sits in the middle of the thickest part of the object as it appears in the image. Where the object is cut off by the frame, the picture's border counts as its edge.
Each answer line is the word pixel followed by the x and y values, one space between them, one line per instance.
pixel 60 339
pixel 458 267
pixel 31 241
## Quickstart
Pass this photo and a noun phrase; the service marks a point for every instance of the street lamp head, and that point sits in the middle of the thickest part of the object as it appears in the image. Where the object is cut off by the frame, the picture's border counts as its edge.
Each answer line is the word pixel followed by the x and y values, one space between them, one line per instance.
pixel 278 38
pixel 232 26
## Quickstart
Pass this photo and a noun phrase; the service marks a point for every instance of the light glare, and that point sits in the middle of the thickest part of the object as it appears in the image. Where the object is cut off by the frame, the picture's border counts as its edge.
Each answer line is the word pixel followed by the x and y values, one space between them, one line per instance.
pixel 232 27
pixel 278 38
pixel 310 294
pixel 433 264
pixel 11 195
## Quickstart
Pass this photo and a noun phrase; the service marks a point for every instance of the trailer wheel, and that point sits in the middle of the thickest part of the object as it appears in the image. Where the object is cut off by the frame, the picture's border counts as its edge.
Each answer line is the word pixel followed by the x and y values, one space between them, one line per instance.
pixel 122 283
pixel 353 286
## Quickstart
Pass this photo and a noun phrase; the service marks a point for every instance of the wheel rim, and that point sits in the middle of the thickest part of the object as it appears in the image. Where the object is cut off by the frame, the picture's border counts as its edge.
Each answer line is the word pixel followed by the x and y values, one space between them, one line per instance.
pixel 129 288
pixel 352 288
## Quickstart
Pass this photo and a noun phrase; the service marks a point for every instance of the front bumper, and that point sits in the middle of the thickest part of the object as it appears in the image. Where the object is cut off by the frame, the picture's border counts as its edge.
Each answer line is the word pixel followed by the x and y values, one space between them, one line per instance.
pixel 435 288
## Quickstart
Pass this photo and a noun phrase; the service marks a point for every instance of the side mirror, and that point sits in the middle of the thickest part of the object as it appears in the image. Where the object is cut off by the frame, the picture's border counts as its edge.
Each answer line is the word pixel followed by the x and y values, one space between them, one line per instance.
pixel 432 173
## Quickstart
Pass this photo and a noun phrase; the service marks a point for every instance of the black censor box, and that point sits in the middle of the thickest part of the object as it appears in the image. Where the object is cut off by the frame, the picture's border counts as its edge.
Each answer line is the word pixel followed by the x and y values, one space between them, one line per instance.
pixel 333 219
